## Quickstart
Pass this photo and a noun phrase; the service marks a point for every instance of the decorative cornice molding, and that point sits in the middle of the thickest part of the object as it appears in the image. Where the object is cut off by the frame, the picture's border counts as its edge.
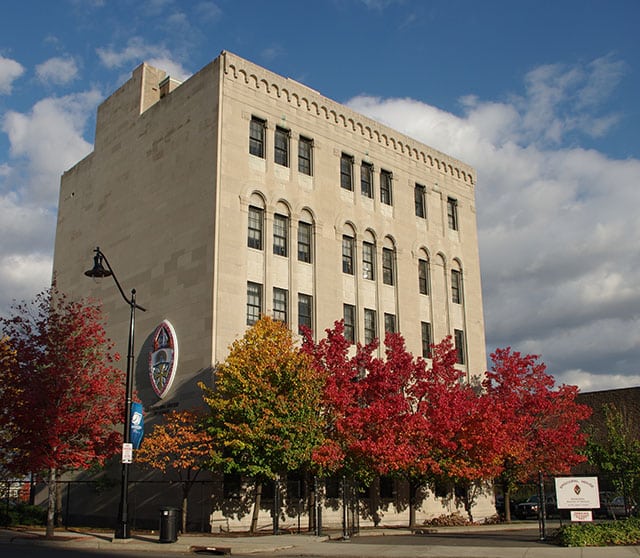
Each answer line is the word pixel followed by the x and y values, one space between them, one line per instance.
pixel 301 96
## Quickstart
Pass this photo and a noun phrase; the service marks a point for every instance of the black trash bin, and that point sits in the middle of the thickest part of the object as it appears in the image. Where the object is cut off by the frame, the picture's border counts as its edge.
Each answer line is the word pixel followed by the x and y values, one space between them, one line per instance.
pixel 168 525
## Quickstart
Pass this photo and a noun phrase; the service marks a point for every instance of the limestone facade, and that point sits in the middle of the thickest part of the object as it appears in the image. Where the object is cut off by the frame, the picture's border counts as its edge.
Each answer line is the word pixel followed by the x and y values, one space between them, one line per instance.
pixel 241 191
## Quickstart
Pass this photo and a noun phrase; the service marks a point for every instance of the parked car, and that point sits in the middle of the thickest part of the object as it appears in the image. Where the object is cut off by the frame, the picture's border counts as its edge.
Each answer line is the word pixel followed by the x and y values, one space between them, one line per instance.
pixel 530 508
pixel 500 509
pixel 618 508
pixel 605 501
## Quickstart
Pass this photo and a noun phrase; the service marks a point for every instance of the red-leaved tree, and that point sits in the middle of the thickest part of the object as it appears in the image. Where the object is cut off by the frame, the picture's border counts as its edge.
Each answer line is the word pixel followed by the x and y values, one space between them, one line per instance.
pixel 539 422
pixel 60 394
pixel 398 416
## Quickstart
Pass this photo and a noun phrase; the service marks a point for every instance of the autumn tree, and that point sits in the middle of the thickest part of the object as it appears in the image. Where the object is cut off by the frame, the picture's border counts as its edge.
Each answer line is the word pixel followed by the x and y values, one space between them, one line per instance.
pixel 264 407
pixel 61 395
pixel 540 421
pixel 399 416
pixel 180 444
pixel 7 360
pixel 616 451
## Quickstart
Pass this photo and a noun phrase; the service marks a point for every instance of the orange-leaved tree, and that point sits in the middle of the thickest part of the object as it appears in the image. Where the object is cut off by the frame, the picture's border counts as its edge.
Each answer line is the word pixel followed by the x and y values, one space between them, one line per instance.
pixel 180 444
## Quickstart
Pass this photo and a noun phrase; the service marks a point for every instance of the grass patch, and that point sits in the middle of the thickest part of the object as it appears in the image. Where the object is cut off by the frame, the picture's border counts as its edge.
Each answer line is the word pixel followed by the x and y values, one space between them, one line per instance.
pixel 610 533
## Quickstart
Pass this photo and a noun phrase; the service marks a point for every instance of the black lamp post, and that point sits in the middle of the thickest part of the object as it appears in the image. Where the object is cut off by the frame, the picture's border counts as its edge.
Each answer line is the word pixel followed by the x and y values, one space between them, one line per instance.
pixel 122 529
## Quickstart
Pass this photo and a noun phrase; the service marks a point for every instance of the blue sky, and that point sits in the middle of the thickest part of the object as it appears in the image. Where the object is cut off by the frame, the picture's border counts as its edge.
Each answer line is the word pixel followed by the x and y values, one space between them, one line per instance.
pixel 540 96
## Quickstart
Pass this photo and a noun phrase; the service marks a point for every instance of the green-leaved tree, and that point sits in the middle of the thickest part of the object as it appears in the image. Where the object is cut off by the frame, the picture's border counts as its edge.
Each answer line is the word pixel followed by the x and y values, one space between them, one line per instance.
pixel 265 407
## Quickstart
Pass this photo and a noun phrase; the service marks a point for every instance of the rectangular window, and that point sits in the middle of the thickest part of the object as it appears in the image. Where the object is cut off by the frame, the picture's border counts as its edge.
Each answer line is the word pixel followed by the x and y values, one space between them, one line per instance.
pixel 281 305
pixel 349 313
pixel 452 213
pixel 386 193
pixel 257 130
pixel 347 254
pixel 346 172
pixel 368 261
pixel 304 242
pixel 305 153
pixel 458 335
pixel 254 302
pixel 419 197
pixel 427 340
pixel 423 276
pixel 281 147
pixel 456 286
pixel 256 223
pixel 370 329
pixel 390 323
pixel 280 235
pixel 388 266
pixel 366 179
pixel 305 312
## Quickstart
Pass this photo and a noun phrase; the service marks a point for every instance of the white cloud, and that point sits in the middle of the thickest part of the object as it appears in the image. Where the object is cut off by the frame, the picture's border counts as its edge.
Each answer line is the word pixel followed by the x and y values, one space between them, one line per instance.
pixel 57 71
pixel 46 141
pixel 558 226
pixel 10 70
pixel 23 275
pixel 136 52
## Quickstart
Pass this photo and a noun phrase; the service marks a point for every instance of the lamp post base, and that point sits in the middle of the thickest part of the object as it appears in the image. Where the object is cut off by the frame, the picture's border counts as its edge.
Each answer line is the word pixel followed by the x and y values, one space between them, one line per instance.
pixel 122 531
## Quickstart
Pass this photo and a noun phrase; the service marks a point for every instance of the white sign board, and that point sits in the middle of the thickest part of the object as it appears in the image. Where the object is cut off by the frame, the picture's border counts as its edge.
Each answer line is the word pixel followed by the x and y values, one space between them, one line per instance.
pixel 577 493
pixel 581 515
pixel 127 453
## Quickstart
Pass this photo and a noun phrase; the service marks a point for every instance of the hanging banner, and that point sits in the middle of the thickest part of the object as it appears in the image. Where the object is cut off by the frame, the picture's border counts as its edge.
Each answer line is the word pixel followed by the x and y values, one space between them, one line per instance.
pixel 137 425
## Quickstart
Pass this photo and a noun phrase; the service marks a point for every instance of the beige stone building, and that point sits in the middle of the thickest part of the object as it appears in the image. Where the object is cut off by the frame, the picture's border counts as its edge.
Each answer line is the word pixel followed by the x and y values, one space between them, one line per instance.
pixel 240 192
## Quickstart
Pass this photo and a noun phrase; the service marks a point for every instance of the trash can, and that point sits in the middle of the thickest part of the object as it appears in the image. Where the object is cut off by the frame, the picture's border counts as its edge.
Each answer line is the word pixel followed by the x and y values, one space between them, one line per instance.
pixel 168 525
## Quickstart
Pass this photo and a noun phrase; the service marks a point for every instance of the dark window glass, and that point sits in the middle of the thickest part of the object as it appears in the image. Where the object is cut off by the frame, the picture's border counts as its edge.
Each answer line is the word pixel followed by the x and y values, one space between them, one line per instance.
pixel 280 305
pixel 305 311
pixel 370 329
pixel 452 213
pixel 346 172
pixel 426 339
pixel 419 195
pixel 280 235
pixel 388 266
pixel 304 242
pixel 386 194
pixel 305 153
pixel 423 276
pixel 366 179
pixel 281 147
pixel 368 261
pixel 458 335
pixel 349 313
pixel 456 286
pixel 256 136
pixel 256 223
pixel 390 323
pixel 347 254
pixel 254 302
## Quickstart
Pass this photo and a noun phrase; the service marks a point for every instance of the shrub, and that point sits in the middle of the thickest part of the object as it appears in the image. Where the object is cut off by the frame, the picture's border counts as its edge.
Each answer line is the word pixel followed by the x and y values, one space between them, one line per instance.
pixel 610 533
pixel 24 514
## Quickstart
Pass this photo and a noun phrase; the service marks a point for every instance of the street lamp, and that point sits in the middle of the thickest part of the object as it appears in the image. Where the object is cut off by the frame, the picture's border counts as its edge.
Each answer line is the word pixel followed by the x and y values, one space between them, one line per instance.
pixel 122 529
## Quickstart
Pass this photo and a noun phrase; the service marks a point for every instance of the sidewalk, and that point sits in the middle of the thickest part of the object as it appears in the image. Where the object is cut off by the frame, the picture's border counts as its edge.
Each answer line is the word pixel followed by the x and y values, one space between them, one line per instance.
pixel 310 546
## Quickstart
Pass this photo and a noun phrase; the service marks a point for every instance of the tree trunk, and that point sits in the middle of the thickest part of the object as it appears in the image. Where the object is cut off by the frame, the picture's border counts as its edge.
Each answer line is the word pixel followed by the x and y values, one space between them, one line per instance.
pixel 58 516
pixel 186 488
pixel 507 504
pixel 256 508
pixel 412 503
pixel 51 502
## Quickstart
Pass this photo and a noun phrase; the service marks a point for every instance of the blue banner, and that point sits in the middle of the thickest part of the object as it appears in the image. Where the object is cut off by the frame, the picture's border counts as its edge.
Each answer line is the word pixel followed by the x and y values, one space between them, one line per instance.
pixel 137 425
